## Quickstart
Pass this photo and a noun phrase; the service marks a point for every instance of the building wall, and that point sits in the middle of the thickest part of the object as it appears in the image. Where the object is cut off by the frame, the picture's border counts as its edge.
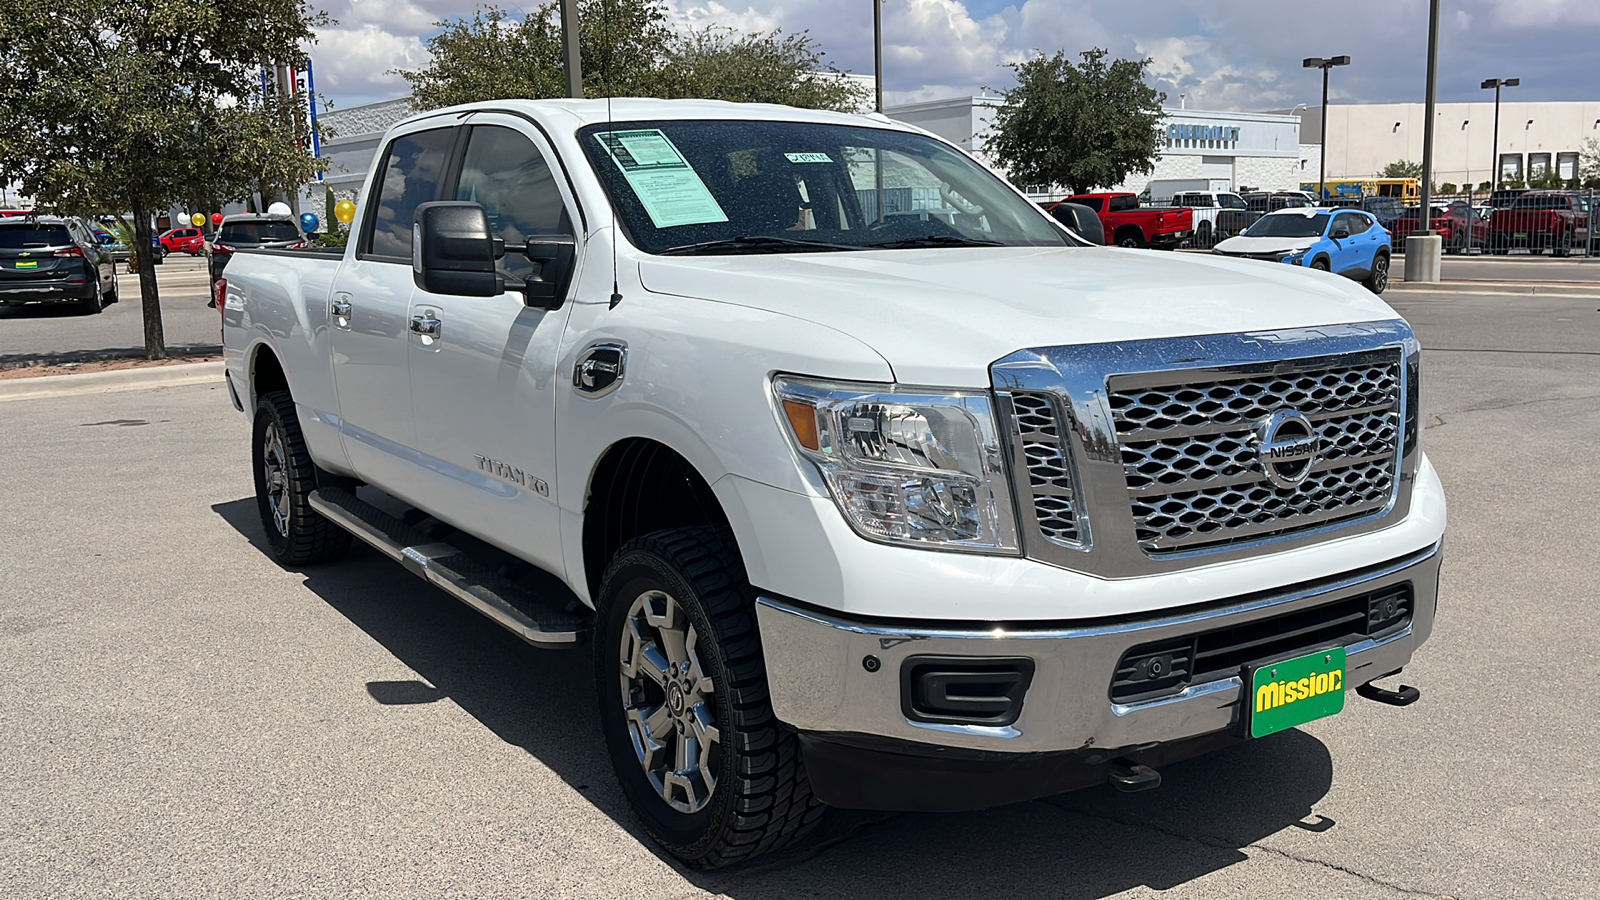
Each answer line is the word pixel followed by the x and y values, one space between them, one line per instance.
pixel 1363 138
pixel 1258 150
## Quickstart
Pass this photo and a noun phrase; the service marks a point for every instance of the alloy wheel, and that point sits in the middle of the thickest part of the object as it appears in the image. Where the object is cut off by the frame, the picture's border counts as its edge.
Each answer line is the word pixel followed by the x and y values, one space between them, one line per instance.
pixel 1380 274
pixel 667 702
pixel 274 462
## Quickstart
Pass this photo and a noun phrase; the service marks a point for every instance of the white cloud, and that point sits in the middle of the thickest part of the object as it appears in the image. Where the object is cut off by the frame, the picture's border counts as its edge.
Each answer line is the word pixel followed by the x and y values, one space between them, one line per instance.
pixel 1237 54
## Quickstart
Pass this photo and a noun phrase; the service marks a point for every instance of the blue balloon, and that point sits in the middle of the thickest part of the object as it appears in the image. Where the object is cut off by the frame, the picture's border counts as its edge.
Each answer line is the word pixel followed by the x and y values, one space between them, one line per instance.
pixel 308 222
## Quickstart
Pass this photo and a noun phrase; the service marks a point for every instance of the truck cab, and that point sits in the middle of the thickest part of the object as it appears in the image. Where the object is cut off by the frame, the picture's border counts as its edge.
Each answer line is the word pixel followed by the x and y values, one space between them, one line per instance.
pixel 861 481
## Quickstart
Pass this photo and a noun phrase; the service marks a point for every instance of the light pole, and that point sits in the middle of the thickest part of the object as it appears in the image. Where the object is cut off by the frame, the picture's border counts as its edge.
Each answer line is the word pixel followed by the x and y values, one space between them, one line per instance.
pixel 1317 62
pixel 1497 84
pixel 569 50
pixel 877 50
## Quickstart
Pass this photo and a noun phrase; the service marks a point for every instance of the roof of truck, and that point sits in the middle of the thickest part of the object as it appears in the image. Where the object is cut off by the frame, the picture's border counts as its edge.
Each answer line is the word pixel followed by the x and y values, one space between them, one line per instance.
pixel 623 109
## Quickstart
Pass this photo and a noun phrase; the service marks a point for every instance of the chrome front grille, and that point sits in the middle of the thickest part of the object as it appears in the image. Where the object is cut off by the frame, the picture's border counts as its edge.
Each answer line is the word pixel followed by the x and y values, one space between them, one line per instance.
pixel 1190 450
pixel 1049 476
pixel 1133 458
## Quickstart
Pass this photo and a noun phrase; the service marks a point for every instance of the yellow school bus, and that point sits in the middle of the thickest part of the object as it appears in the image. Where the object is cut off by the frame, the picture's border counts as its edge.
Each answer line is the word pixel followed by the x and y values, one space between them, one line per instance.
pixel 1407 190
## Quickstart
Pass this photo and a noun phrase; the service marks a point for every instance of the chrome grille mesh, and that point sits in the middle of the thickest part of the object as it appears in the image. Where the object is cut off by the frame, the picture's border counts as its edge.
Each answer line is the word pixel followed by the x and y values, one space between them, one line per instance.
pixel 1189 450
pixel 1042 441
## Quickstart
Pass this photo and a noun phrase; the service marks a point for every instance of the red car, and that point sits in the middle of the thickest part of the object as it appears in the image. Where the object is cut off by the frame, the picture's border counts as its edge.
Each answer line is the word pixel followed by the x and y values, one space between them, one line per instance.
pixel 1128 224
pixel 188 240
pixel 1452 225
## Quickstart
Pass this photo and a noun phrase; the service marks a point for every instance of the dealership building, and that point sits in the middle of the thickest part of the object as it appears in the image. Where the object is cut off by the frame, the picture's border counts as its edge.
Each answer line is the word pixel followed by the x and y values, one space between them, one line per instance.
pixel 1254 151
pixel 1535 138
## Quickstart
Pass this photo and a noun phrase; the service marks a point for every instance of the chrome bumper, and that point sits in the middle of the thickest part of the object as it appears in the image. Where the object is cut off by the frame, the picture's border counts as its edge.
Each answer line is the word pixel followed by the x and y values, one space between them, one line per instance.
pixel 820 683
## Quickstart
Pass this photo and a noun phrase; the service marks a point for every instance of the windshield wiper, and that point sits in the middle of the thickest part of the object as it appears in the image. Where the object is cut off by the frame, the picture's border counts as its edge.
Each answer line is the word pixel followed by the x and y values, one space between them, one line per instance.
pixel 754 244
pixel 933 240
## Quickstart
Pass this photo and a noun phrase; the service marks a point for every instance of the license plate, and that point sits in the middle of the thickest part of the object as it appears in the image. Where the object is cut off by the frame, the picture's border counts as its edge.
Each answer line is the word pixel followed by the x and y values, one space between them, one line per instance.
pixel 1521 235
pixel 28 264
pixel 1296 691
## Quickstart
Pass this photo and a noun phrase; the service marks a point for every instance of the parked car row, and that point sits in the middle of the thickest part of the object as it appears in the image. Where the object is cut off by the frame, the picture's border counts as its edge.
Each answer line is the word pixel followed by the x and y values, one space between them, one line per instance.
pixel 1128 224
pixel 51 259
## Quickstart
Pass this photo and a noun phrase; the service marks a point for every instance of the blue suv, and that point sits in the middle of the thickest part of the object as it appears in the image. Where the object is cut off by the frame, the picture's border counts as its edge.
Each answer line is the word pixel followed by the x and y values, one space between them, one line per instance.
pixel 1345 241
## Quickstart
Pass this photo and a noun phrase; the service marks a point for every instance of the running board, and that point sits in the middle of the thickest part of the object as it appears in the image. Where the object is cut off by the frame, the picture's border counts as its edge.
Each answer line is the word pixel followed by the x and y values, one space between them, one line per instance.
pixel 453 571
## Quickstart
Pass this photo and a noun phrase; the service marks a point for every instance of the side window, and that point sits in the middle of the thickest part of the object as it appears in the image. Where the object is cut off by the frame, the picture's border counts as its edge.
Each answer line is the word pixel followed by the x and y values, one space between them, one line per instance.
pixel 1120 204
pixel 1091 202
pixel 1358 224
pixel 504 172
pixel 409 177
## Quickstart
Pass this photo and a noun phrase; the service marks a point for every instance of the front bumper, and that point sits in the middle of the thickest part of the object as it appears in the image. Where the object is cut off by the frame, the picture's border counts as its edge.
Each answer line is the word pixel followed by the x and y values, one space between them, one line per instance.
pixel 822 682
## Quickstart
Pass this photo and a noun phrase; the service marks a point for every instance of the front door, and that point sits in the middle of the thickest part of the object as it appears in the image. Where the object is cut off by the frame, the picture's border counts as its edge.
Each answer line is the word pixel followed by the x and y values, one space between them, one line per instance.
pixel 483 369
pixel 369 314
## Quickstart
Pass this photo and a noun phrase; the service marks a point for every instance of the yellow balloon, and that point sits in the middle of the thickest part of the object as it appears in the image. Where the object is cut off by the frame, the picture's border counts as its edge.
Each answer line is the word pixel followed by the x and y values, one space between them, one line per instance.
pixel 197 219
pixel 344 211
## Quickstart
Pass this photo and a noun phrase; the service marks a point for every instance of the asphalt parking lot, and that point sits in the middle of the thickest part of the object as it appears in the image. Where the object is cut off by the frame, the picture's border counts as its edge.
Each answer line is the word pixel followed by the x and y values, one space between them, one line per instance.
pixel 179 716
pixel 59 333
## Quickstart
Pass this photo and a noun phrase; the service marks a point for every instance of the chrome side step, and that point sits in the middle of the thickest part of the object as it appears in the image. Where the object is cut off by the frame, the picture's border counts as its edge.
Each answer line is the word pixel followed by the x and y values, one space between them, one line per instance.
pixel 453 571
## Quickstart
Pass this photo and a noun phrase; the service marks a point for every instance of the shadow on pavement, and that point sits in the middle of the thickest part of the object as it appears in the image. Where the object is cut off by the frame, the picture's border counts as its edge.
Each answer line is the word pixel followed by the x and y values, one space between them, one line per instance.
pixel 1088 844
pixel 174 351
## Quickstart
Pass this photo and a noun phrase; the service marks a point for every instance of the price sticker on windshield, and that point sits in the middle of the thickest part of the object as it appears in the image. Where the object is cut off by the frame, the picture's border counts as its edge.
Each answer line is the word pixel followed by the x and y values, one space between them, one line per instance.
pixel 670 190
pixel 808 157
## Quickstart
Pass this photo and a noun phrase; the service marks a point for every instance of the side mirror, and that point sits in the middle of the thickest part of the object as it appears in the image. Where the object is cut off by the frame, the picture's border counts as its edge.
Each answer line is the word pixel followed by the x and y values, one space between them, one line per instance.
pixel 1081 219
pixel 1340 233
pixel 557 257
pixel 454 252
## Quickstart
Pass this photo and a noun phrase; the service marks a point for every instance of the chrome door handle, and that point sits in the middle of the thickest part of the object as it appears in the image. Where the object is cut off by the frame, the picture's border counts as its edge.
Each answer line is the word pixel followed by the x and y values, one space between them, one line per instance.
pixel 341 311
pixel 426 326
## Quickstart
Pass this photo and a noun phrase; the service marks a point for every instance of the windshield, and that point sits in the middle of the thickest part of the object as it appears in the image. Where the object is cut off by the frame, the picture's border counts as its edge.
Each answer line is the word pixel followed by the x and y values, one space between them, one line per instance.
pixel 730 186
pixel 259 232
pixel 18 237
pixel 1291 226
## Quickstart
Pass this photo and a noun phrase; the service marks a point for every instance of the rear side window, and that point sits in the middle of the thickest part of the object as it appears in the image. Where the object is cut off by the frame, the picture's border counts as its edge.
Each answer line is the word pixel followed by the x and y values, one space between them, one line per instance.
pixel 1091 202
pixel 409 177
pixel 504 173
pixel 1120 204
pixel 260 232
pixel 21 237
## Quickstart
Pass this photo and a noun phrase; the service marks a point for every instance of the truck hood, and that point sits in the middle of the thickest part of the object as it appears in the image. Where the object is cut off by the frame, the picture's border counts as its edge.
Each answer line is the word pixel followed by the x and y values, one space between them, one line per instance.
pixel 940 317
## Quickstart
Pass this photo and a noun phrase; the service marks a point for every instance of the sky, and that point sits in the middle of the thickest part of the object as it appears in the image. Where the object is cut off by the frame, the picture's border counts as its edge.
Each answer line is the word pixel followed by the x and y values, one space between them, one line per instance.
pixel 1221 54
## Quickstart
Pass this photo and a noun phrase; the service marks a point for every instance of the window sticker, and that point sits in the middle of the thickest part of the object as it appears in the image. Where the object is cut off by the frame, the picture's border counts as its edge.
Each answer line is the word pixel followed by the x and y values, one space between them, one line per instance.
pixel 808 157
pixel 670 190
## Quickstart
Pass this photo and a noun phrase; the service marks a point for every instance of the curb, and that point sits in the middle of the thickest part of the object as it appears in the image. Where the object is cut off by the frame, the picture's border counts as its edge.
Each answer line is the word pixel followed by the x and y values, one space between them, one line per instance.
pixel 1498 288
pixel 111 382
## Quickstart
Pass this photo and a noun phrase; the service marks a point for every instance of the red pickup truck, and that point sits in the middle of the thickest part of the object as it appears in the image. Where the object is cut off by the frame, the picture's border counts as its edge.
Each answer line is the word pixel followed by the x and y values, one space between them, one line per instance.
pixel 1128 224
pixel 1542 220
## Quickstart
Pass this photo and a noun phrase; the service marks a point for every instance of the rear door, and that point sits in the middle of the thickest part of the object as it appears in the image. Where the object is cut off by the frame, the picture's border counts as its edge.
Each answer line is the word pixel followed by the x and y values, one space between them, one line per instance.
pixel 484 381
pixel 369 309
pixel 1350 254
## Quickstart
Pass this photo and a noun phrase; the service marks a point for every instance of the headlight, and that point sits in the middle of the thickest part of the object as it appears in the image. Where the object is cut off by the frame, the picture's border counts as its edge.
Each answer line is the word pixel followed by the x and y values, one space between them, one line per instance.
pixel 1292 258
pixel 906 467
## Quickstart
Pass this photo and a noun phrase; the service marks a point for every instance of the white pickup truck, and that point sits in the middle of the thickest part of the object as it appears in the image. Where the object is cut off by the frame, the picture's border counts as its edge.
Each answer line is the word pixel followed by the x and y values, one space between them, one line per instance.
pixel 868 483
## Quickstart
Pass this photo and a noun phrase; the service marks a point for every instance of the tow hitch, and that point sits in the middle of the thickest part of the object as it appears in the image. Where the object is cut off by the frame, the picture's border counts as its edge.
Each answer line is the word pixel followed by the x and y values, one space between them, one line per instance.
pixel 1128 776
pixel 1406 696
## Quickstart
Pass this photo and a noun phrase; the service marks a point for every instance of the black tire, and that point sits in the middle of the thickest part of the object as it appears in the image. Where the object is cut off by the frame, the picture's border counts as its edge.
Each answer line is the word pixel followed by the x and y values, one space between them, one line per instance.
pixel 1202 237
pixel 96 304
pixel 115 295
pixel 297 535
pixel 1321 265
pixel 1378 280
pixel 760 798
pixel 1131 238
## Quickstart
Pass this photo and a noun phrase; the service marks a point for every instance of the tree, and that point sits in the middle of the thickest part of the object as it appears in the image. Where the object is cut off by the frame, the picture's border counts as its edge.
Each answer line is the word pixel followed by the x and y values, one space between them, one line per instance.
pixel 131 105
pixel 1449 187
pixel 724 64
pixel 1401 168
pixel 627 50
pixel 1589 165
pixel 1080 126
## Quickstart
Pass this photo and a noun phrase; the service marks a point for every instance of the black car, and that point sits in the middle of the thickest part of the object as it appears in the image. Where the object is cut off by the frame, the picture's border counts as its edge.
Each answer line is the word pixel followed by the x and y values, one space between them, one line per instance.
pixel 253 232
pixel 45 259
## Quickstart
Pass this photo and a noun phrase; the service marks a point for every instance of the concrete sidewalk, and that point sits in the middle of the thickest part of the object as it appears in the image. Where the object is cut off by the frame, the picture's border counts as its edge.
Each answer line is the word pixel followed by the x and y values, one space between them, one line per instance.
pixel 133 379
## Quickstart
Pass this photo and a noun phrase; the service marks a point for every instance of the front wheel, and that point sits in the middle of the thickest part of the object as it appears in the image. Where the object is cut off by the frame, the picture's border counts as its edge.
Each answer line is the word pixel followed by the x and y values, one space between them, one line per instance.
pixel 683 702
pixel 1378 280
pixel 285 478
pixel 1321 265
